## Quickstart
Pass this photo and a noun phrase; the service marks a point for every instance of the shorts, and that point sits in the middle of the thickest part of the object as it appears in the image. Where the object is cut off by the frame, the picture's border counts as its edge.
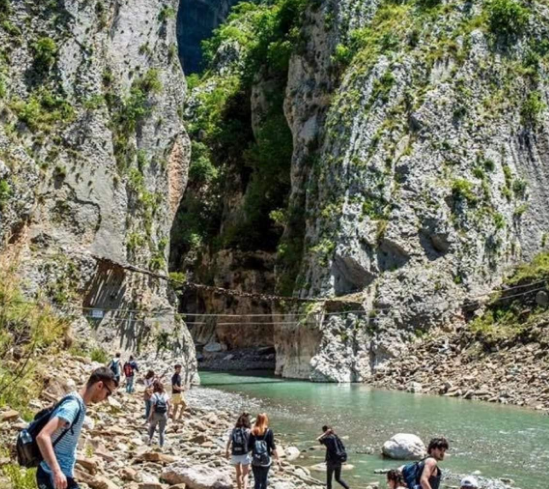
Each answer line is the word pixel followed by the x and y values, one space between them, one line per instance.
pixel 178 399
pixel 245 459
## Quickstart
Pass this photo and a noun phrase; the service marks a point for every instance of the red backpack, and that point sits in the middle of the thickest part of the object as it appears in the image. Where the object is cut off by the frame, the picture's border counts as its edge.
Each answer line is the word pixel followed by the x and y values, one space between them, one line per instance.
pixel 128 370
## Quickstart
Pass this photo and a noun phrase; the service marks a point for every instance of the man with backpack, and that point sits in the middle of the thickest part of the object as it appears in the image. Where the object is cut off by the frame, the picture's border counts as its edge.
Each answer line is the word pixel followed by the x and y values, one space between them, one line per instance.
pixel 335 456
pixel 114 365
pixel 51 440
pixel 130 367
pixel 426 473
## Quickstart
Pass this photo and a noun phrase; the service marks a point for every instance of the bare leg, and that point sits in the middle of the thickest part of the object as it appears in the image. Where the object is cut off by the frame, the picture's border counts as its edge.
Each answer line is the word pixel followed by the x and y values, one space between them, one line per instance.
pixel 238 476
pixel 245 472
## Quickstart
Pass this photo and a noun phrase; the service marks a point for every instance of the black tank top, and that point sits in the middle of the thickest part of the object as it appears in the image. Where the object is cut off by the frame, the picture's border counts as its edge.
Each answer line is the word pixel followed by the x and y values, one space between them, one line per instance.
pixel 434 480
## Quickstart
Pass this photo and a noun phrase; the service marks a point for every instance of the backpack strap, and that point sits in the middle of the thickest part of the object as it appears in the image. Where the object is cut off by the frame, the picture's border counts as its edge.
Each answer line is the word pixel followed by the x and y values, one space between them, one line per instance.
pixel 76 419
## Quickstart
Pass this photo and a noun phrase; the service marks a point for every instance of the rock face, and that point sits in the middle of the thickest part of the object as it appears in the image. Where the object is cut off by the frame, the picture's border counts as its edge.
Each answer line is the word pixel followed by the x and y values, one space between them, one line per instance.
pixel 94 160
pixel 414 185
pixel 403 446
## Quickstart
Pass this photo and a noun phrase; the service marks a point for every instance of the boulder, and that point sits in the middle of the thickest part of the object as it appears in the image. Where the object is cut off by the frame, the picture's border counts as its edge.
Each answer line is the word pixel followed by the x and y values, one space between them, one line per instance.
pixel 404 446
pixel 198 476
pixel 292 453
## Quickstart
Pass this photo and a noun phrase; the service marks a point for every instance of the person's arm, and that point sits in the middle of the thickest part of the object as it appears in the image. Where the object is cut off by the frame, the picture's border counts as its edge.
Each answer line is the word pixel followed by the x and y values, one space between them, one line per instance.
pixel 45 444
pixel 229 443
pixel 324 435
pixel 274 449
pixel 153 408
pixel 428 470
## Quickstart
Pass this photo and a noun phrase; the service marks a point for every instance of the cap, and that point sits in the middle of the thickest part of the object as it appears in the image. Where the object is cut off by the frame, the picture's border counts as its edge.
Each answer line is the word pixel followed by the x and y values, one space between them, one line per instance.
pixel 469 482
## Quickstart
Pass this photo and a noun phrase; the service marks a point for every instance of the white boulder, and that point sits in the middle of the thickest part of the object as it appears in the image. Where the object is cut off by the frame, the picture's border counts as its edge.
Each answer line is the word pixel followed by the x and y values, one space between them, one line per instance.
pixel 292 453
pixel 404 446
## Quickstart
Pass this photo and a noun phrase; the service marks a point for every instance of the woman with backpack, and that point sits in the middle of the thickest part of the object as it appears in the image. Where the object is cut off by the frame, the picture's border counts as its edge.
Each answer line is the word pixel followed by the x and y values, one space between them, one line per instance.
pixel 239 445
pixel 395 480
pixel 263 449
pixel 335 456
pixel 160 407
pixel 149 387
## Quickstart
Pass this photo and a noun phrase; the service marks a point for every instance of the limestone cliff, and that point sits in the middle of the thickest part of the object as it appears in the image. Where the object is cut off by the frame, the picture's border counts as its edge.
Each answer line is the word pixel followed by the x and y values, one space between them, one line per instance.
pixel 94 161
pixel 417 173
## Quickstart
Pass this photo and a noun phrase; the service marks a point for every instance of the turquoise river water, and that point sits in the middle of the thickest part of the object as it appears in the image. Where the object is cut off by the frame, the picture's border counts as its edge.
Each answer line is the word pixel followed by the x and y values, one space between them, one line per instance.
pixel 499 441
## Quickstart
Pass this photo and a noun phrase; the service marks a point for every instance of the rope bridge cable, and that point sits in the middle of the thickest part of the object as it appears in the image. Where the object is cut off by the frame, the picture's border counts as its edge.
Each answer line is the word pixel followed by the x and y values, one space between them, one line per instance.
pixel 368 313
pixel 251 295
pixel 168 310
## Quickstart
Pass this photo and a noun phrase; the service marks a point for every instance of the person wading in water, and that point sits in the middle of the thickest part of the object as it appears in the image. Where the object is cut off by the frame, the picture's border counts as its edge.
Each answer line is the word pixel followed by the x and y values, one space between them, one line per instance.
pixel 431 475
pixel 335 456
pixel 239 446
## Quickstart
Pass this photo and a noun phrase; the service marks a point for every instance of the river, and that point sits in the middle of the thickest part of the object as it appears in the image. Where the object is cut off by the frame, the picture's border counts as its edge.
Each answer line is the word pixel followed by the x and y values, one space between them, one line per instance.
pixel 499 441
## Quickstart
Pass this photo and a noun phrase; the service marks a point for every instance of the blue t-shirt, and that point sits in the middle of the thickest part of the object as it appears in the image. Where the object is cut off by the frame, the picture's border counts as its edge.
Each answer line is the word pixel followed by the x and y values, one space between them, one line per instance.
pixel 65 450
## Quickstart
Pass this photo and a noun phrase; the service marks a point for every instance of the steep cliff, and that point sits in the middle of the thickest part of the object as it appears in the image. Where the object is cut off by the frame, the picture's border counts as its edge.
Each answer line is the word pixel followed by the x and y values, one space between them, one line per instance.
pixel 94 161
pixel 417 175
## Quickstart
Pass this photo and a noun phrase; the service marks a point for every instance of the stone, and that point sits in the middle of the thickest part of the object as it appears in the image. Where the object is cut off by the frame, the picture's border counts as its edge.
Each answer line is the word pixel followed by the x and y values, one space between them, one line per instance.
pixel 11 415
pixel 404 446
pixel 128 474
pixel 197 476
pixel 213 347
pixel 415 388
pixel 158 457
pixel 87 463
pixel 292 453
pixel 101 482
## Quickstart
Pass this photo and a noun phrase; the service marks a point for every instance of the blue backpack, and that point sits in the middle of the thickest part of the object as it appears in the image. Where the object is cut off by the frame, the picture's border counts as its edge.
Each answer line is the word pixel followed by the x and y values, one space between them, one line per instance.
pixel 412 473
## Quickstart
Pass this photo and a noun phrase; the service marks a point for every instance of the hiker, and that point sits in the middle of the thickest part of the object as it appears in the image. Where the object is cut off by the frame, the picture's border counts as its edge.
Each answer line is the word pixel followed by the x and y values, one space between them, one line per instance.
pixel 160 408
pixel 56 470
pixel 263 448
pixel 178 400
pixel 426 474
pixel 431 474
pixel 395 479
pixel 335 456
pixel 468 482
pixel 114 365
pixel 239 446
pixel 130 367
pixel 147 394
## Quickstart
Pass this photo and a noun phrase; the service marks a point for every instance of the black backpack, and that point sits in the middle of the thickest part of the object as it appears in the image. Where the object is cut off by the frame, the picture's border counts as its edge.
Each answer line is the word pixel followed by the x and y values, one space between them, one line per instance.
pixel 28 453
pixel 239 439
pixel 340 452
pixel 160 406
pixel 260 452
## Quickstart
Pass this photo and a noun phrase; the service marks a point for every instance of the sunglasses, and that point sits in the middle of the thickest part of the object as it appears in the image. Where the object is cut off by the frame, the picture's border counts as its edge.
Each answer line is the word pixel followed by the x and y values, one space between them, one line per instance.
pixel 109 392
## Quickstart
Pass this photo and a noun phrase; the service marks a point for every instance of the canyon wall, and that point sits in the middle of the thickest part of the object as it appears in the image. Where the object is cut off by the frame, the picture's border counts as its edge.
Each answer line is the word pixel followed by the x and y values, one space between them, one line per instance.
pixel 94 161
pixel 417 174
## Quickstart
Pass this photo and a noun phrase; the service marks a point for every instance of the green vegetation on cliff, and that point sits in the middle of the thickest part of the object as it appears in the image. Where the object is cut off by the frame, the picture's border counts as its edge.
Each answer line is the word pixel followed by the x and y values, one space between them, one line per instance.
pixel 515 312
pixel 227 154
pixel 28 330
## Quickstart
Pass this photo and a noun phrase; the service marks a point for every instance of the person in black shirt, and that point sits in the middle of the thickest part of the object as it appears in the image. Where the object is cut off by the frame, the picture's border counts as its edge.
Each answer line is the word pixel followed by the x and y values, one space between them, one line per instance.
pixel 263 447
pixel 333 461
pixel 178 401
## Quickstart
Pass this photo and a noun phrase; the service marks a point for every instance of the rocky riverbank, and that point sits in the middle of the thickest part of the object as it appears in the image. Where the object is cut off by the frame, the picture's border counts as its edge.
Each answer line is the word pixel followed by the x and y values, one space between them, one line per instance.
pixel 113 451
pixel 513 371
